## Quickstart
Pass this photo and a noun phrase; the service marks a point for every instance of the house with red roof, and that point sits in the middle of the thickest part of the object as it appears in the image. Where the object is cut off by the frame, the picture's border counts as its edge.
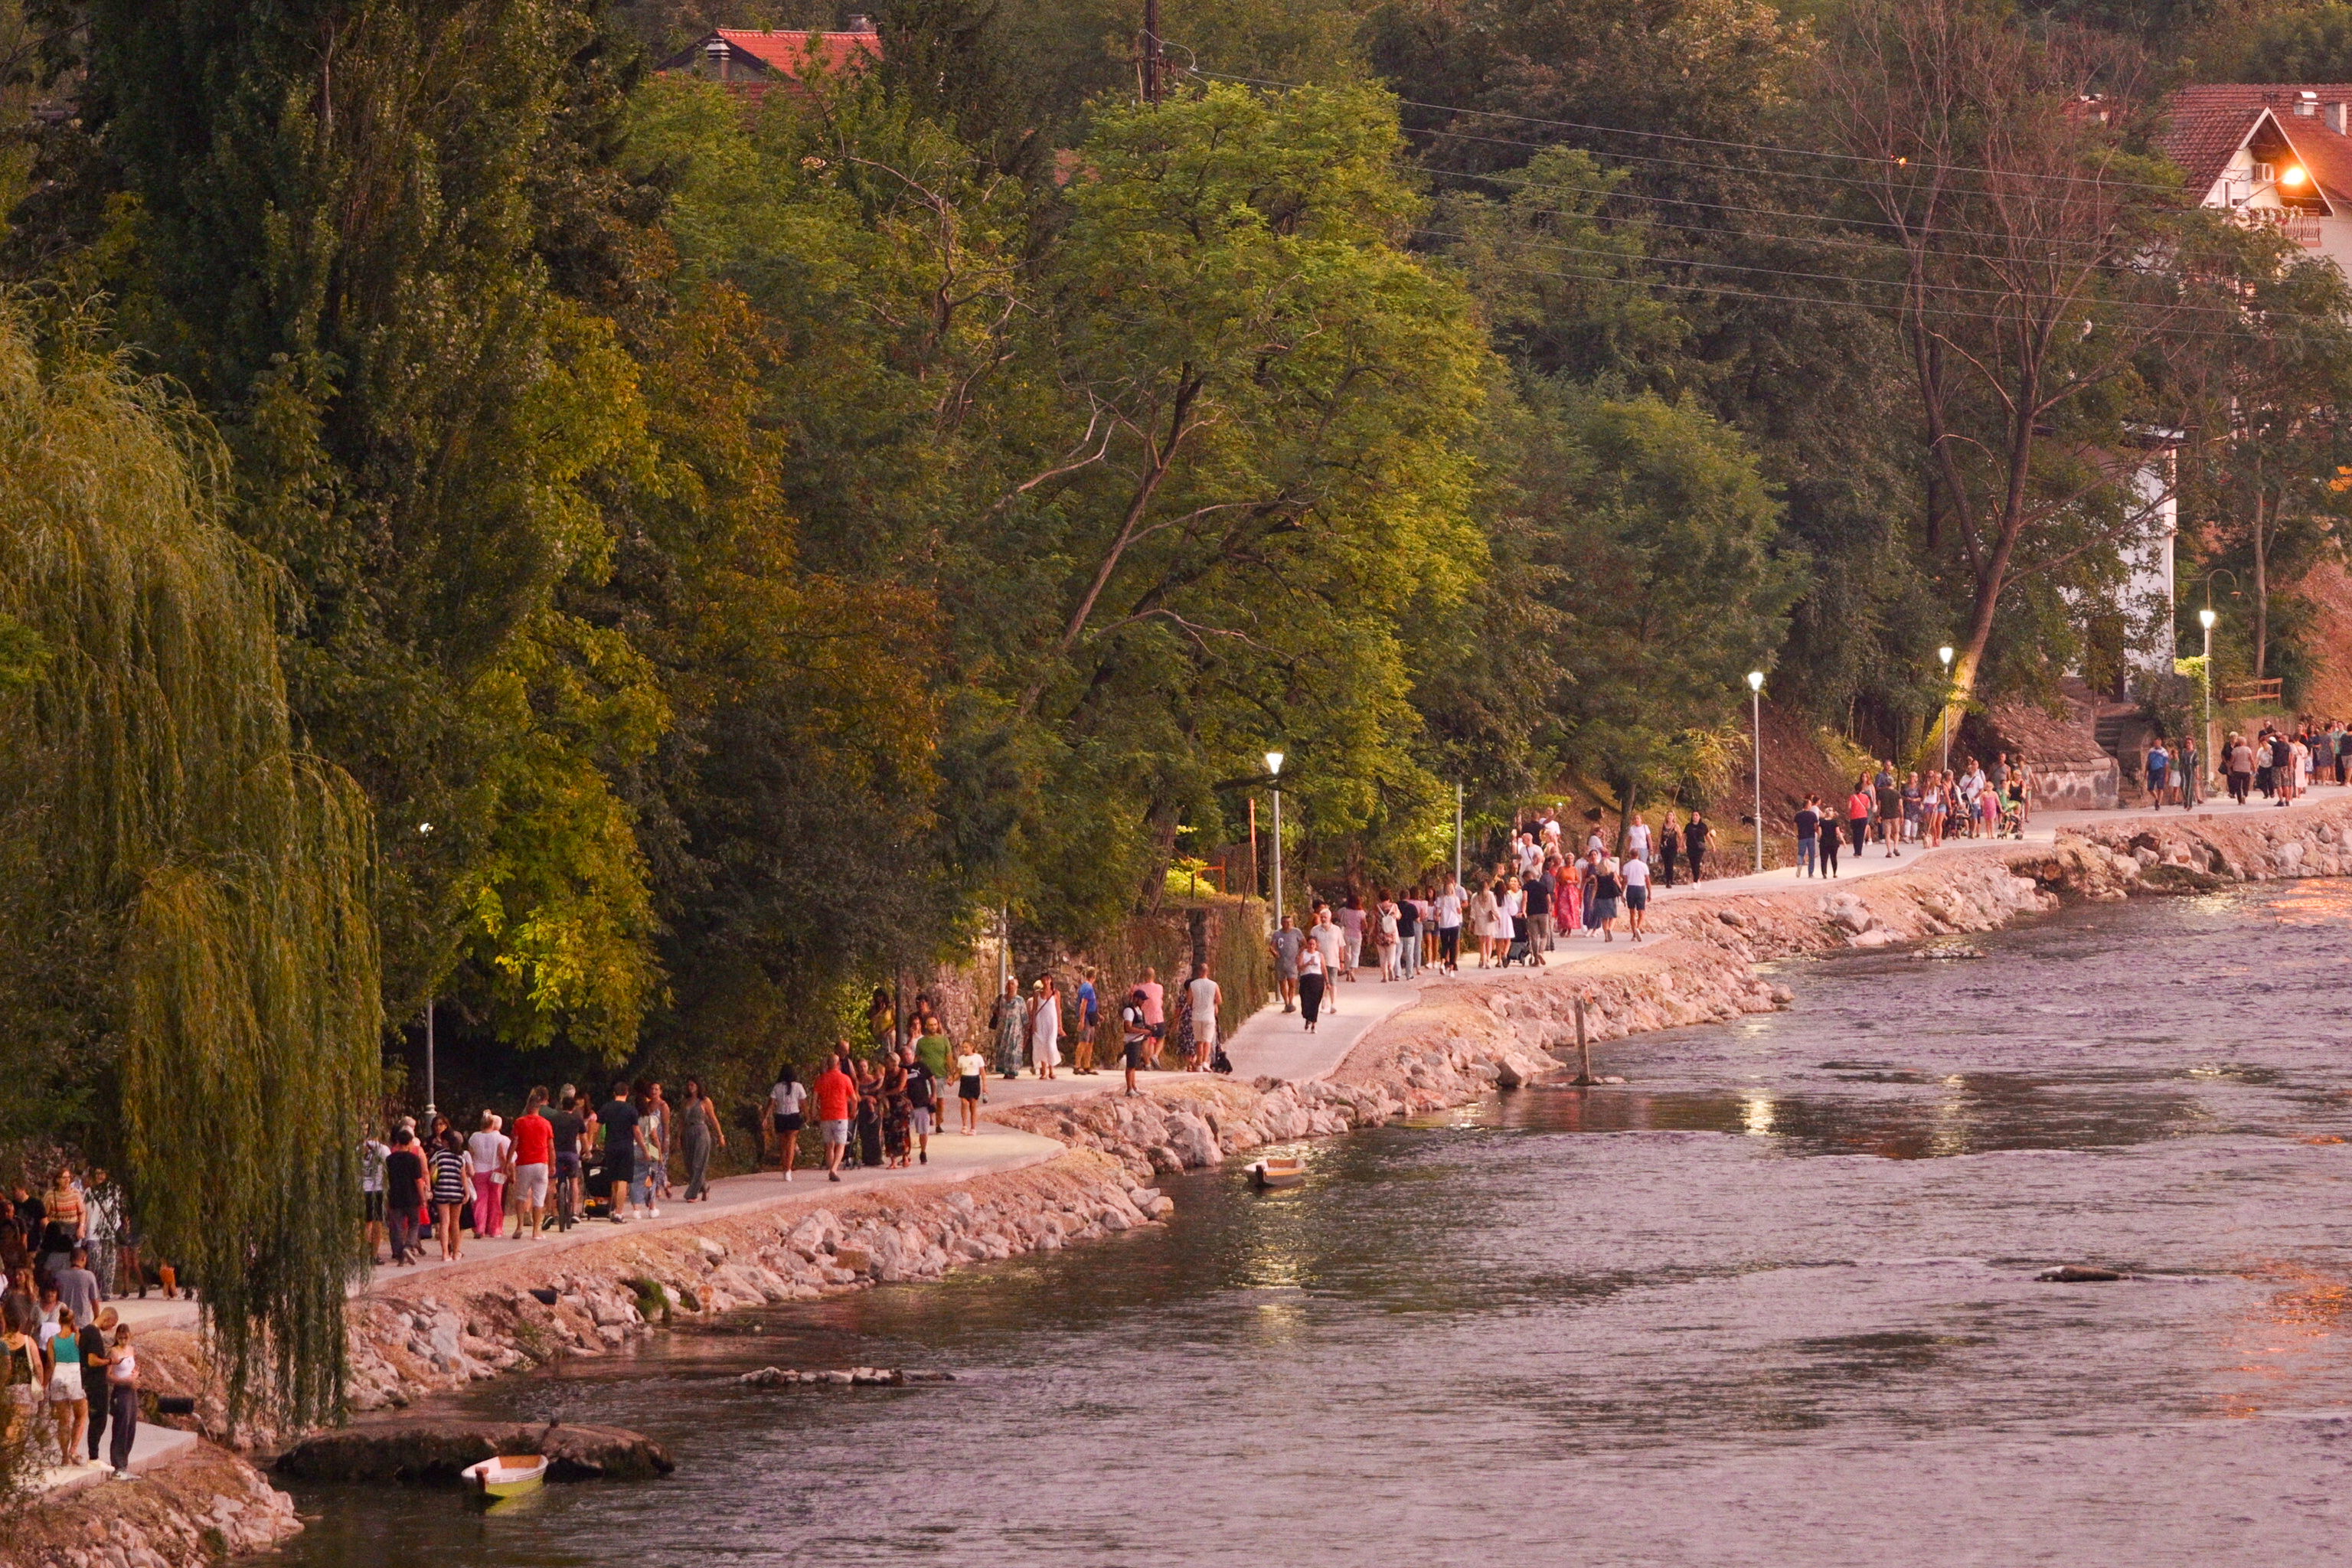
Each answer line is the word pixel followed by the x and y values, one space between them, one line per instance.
pixel 2272 153
pixel 753 63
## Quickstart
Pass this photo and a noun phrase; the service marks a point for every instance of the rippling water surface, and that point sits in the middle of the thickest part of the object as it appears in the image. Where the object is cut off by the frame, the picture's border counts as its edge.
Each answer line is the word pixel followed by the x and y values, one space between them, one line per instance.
pixel 1771 1302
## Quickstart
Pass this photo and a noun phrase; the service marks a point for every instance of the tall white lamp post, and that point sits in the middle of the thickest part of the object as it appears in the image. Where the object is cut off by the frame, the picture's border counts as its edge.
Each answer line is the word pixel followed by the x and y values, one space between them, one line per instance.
pixel 1943 719
pixel 424 830
pixel 2206 617
pixel 1755 732
pixel 1273 769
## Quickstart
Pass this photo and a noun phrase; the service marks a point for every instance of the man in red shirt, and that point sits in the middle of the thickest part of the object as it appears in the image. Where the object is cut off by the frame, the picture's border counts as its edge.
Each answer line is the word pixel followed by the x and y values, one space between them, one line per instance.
pixel 836 1102
pixel 534 1157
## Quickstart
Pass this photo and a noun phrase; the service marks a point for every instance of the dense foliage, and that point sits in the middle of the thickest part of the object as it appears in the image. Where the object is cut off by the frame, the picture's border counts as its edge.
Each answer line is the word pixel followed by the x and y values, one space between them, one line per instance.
pixel 726 551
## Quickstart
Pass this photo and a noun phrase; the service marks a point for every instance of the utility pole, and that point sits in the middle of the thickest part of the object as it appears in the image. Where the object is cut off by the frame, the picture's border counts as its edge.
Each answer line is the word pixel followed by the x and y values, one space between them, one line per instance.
pixel 1154 61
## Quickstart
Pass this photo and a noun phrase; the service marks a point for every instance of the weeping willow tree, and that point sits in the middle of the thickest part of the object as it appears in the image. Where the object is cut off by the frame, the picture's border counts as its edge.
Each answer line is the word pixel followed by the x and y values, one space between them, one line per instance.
pixel 186 895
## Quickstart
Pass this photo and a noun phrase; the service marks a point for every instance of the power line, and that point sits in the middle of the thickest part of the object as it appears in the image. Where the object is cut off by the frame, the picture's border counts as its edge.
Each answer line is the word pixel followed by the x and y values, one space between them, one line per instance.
pixel 1519 182
pixel 1779 149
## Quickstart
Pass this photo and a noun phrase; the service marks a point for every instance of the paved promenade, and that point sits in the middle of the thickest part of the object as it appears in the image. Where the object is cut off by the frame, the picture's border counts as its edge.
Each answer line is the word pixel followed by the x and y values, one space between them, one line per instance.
pixel 1272 1044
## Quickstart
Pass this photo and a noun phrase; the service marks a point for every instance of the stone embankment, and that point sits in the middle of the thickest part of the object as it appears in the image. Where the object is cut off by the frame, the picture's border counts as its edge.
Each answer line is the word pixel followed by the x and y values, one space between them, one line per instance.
pixel 188 1514
pixel 1460 1040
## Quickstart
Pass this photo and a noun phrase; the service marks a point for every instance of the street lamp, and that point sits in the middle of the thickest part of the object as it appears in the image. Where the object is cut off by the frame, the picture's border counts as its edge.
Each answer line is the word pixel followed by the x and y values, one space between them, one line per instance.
pixel 1756 730
pixel 1944 721
pixel 424 830
pixel 2206 617
pixel 1273 769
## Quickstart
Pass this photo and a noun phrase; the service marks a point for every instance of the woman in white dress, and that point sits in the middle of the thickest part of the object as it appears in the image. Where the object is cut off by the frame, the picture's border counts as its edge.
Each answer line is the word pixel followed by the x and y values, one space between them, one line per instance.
pixel 1507 917
pixel 1046 1027
pixel 1482 922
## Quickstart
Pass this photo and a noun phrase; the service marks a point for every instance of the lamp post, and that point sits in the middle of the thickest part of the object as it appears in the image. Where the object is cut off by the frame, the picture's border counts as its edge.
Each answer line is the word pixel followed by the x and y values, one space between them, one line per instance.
pixel 1273 769
pixel 424 830
pixel 1457 833
pixel 1755 733
pixel 1944 717
pixel 2206 617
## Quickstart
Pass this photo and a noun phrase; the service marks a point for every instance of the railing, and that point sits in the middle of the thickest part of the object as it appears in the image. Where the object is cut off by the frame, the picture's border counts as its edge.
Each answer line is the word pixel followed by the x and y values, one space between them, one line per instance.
pixel 2252 690
pixel 2297 224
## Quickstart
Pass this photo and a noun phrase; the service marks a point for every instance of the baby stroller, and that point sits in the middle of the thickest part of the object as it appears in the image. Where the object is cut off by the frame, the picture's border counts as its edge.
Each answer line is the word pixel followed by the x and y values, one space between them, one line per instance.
pixel 1520 953
pixel 2012 818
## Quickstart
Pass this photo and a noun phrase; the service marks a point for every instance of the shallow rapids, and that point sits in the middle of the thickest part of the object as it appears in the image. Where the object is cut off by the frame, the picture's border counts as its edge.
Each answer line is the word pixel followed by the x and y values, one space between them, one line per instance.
pixel 1771 1302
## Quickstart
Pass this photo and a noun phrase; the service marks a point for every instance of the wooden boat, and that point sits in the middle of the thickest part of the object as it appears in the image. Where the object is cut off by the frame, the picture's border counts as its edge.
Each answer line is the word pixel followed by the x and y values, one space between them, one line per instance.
pixel 1279 1171
pixel 509 1474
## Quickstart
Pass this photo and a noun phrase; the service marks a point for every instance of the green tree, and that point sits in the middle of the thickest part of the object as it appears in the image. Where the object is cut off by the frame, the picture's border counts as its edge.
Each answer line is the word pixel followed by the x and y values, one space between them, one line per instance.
pixel 183 892
pixel 347 221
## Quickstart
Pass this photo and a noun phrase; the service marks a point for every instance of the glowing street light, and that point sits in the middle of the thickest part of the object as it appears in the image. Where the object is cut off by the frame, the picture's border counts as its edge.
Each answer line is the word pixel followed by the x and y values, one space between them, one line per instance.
pixel 1756 729
pixel 1273 769
pixel 1944 658
pixel 2206 618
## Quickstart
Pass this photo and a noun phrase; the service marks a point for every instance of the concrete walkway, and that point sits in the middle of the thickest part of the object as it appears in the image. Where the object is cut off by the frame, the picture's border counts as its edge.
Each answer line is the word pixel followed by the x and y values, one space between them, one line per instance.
pixel 1271 1043
pixel 150 1446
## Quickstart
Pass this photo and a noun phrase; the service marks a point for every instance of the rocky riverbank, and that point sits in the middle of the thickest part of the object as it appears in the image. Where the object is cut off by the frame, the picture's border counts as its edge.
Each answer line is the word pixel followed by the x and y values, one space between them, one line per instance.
pixel 1460 1041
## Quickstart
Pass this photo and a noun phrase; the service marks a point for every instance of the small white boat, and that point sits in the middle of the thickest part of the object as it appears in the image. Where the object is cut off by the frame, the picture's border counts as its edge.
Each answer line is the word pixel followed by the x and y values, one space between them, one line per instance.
pixel 1279 1171
pixel 509 1474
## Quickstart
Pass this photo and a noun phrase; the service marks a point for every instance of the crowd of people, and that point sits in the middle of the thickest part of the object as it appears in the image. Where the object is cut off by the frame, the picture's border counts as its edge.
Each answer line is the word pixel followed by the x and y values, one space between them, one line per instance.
pixel 1895 811
pixel 2279 764
pixel 439 1185
pixel 72 1373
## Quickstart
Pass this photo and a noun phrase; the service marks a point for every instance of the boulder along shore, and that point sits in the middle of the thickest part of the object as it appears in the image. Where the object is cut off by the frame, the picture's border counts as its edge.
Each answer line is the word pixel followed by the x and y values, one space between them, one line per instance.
pixel 1458 1042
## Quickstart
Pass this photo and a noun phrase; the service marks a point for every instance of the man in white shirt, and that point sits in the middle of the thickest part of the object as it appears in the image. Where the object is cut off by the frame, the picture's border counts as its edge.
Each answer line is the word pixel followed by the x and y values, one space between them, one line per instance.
pixel 1637 838
pixel 1636 873
pixel 1326 934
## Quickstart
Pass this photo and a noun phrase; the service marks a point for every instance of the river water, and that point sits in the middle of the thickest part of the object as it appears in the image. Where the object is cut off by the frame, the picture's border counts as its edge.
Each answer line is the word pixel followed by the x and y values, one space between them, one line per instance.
pixel 1771 1302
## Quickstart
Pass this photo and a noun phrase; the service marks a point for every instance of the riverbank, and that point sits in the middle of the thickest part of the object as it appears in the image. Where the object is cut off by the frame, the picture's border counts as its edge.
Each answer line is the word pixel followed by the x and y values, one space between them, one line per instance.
pixel 416 1334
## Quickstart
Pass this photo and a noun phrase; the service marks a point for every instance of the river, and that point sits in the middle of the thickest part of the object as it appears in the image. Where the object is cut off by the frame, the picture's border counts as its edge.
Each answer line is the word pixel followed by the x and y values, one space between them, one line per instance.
pixel 1771 1302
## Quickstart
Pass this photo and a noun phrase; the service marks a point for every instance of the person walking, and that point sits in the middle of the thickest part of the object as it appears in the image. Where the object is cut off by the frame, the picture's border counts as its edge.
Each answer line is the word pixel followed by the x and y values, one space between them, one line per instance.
pixel 2159 766
pixel 1697 834
pixel 405 1183
pixel 78 1287
pixel 922 1104
pixel 1889 799
pixel 1809 835
pixel 836 1101
pixel 1288 942
pixel 95 1353
pixel 785 1103
pixel 2192 780
pixel 1535 898
pixel 1155 1010
pixel 1635 876
pixel 616 1125
pixel 1351 922
pixel 69 1398
pixel 868 1114
pixel 1090 1025
pixel 122 1399
pixel 2240 757
pixel 23 1384
pixel 1046 1027
pixel 1202 996
pixel 488 1148
pixel 698 1131
pixel 1408 935
pixel 1670 844
pixel 1607 888
pixel 972 1088
pixel 1136 1036
pixel 1310 983
pixel 657 1147
pixel 1009 1022
pixel 1449 926
pixel 452 1186
pixel 534 1164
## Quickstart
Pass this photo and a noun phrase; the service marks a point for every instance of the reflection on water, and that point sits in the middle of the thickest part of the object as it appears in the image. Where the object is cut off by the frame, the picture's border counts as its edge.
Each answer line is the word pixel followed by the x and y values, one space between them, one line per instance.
pixel 1771 1302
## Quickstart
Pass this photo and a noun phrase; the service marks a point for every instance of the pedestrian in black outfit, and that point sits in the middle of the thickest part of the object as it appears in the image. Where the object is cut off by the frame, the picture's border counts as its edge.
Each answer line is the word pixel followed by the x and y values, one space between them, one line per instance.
pixel 1696 834
pixel 1670 844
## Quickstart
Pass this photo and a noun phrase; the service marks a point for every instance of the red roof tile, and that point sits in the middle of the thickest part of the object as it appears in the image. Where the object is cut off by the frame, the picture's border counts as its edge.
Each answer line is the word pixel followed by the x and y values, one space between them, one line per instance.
pixel 2206 124
pixel 789 54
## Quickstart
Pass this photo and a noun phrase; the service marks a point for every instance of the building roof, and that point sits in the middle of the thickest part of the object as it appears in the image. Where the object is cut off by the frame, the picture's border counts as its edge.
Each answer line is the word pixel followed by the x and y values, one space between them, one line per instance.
pixel 2207 124
pixel 755 54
